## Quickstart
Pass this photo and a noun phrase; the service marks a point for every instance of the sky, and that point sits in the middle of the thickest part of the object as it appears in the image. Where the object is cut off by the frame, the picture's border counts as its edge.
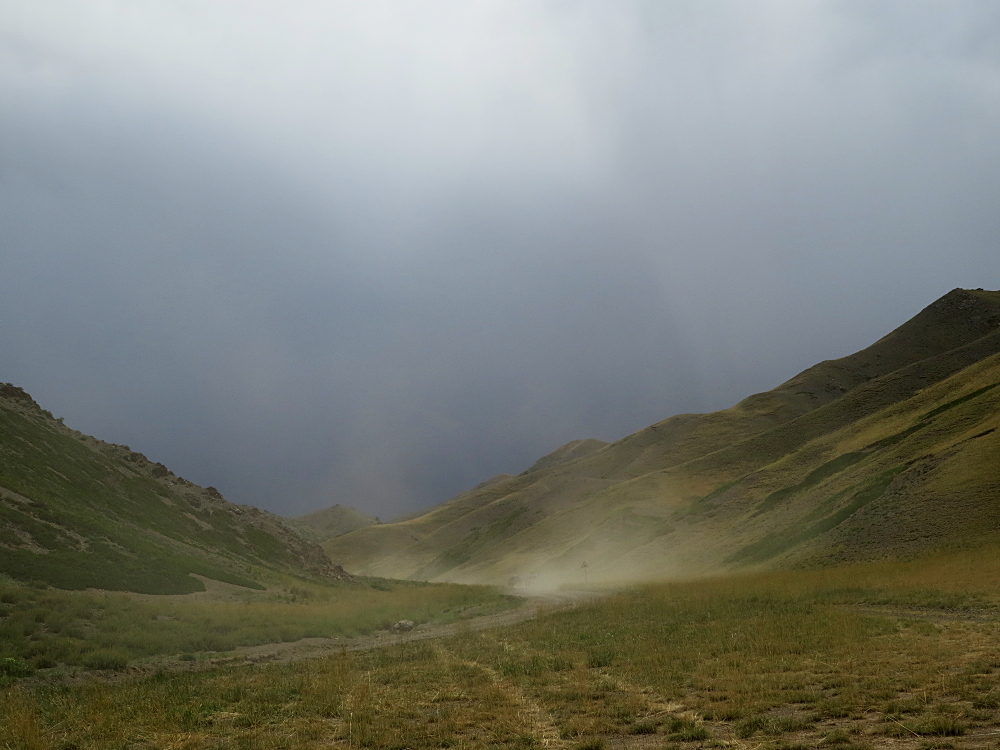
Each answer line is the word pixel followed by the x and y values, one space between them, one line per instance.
pixel 375 253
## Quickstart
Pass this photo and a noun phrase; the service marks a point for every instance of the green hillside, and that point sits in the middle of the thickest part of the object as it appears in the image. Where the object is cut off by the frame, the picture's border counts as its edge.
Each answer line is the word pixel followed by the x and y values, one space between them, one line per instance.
pixel 76 512
pixel 886 452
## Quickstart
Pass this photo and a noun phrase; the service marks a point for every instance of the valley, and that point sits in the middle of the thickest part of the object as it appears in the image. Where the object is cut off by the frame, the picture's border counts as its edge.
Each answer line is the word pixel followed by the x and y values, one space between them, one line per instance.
pixel 816 567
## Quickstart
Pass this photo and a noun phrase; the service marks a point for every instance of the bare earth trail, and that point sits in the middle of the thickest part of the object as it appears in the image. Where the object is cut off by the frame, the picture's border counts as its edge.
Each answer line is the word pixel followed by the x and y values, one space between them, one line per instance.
pixel 310 648
pixel 533 715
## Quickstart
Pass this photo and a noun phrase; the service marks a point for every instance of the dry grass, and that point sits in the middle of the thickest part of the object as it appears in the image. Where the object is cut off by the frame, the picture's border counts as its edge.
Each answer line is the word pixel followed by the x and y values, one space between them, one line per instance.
pixel 49 628
pixel 786 660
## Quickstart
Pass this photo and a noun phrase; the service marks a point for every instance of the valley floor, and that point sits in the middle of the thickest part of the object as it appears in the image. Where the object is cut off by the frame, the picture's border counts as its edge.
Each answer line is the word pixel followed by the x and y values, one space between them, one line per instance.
pixel 895 655
pixel 312 648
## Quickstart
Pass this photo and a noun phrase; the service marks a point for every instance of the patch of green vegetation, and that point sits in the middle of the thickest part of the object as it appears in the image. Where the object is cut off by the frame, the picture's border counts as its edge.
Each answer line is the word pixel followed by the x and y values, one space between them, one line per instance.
pixel 940 726
pixel 601 657
pixel 704 504
pixel 897 438
pixel 155 573
pixel 266 546
pixel 924 419
pixel 828 469
pixel 106 659
pixel 957 402
pixel 12 667
pixel 831 467
pixel 778 542
pixel 685 730
pixel 45 627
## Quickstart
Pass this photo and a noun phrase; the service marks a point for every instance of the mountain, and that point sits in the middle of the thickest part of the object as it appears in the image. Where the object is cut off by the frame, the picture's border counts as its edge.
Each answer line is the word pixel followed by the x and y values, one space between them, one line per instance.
pixel 886 452
pixel 328 523
pixel 76 512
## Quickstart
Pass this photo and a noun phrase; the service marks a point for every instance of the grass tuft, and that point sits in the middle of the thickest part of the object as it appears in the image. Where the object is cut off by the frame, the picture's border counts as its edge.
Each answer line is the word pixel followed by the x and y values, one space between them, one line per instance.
pixel 106 658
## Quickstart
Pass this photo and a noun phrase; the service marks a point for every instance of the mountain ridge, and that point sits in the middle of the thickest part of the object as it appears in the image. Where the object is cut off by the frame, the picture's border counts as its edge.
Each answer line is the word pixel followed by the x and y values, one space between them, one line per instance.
pixel 658 481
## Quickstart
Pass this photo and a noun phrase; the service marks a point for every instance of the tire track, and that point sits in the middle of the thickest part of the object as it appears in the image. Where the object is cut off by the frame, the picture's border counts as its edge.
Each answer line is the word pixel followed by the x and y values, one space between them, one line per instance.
pixel 544 727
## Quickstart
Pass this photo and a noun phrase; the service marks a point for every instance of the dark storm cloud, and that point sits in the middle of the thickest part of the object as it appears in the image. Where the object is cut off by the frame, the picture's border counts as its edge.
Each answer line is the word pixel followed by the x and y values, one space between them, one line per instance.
pixel 374 253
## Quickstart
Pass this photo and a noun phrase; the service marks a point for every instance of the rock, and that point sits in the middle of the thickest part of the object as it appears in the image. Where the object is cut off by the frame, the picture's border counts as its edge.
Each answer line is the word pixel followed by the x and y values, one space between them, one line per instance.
pixel 403 626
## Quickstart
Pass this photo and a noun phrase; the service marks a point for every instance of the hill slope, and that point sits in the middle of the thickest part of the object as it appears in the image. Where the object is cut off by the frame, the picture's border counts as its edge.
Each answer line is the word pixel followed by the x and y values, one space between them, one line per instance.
pixel 869 455
pixel 329 523
pixel 76 512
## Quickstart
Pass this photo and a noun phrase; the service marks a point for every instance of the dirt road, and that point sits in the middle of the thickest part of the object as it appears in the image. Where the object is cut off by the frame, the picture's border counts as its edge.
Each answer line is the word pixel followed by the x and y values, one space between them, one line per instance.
pixel 309 648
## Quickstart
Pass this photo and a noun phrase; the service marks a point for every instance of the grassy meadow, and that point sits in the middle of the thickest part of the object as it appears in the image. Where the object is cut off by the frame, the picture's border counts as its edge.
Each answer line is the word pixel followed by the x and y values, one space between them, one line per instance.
pixel 60 631
pixel 901 654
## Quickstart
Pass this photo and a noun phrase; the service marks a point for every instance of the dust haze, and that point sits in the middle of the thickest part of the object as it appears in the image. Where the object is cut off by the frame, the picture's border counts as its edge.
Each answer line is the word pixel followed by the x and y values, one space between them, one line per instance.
pixel 374 254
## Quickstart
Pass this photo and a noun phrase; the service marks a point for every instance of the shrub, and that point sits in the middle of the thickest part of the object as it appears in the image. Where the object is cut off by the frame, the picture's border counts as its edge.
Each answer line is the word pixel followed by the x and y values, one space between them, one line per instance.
pixel 12 667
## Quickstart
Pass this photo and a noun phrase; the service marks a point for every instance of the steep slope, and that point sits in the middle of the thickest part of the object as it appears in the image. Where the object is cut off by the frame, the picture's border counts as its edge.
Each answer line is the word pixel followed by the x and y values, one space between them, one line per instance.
pixel 329 523
pixel 76 512
pixel 565 453
pixel 418 538
pixel 920 473
pixel 674 498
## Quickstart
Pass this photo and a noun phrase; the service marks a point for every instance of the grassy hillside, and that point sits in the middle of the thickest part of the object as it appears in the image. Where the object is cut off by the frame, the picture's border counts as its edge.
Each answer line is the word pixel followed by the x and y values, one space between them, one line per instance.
pixel 329 523
pixel 881 453
pixel 76 512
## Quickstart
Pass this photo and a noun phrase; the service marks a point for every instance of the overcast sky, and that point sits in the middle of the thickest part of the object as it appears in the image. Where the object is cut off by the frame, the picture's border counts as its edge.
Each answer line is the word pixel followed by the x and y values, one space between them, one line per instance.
pixel 376 252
